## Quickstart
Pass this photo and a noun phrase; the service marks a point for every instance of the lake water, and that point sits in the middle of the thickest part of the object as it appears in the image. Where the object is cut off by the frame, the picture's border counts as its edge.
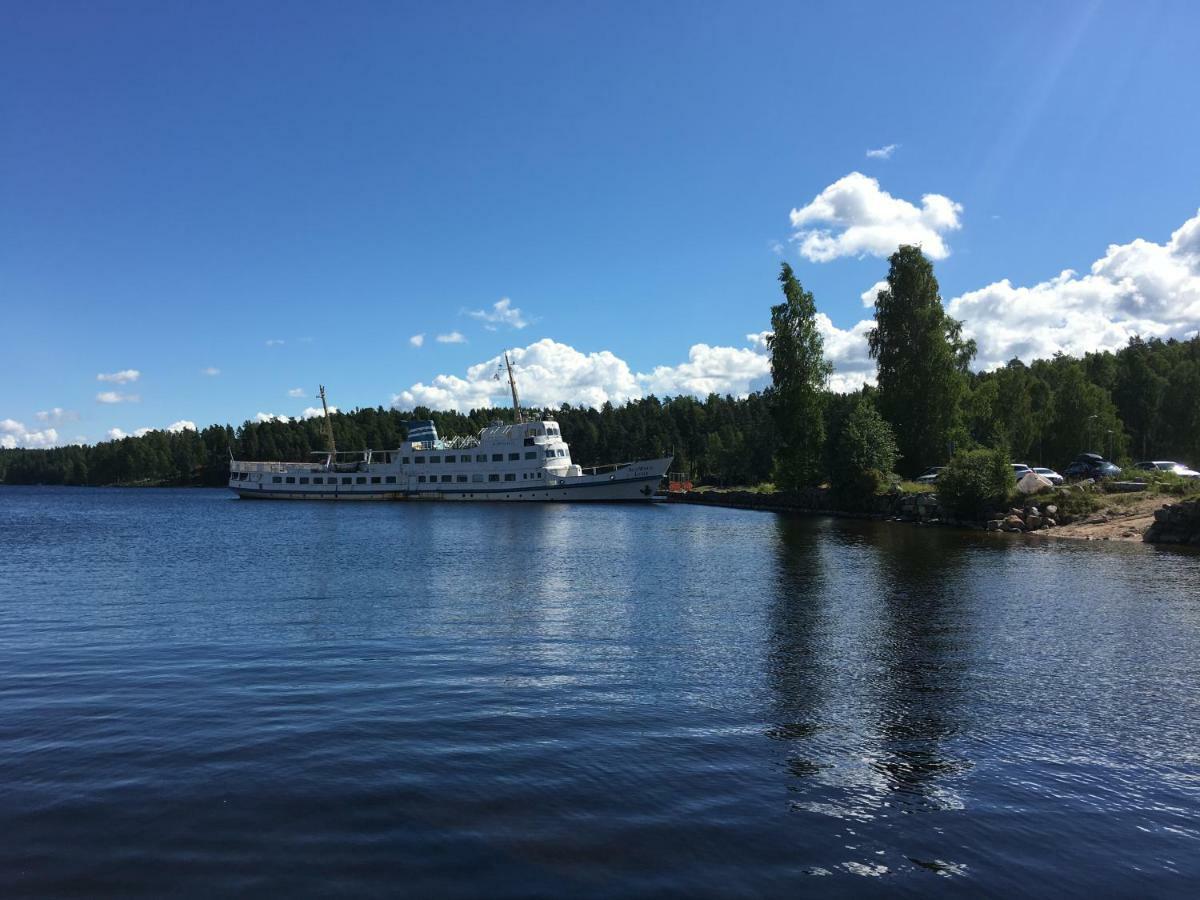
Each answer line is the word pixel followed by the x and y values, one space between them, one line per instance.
pixel 201 696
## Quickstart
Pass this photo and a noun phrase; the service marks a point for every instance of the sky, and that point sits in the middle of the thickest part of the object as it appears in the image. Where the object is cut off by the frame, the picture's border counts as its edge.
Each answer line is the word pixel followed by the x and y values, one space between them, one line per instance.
pixel 206 210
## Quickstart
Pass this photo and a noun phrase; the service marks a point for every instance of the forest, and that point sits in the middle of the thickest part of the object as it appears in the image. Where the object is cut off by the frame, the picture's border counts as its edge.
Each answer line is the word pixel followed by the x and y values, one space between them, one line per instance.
pixel 1140 402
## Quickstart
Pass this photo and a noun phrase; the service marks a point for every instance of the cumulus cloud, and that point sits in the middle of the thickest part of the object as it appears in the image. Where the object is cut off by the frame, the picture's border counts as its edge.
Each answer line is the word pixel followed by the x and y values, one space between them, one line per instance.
pixel 710 370
pixel 57 416
pixel 14 434
pixel 181 425
pixel 845 348
pixel 210 370
pixel 551 373
pixel 116 397
pixel 855 217
pixel 883 152
pixel 313 412
pixel 275 342
pixel 870 294
pixel 270 417
pixel 501 313
pixel 417 340
pixel 125 376
pixel 116 434
pixel 296 392
pixel 1140 288
pixel 453 337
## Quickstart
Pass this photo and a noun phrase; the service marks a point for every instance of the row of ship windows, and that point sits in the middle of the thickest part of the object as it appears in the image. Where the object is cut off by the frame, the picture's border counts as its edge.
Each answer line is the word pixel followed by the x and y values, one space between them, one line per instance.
pixel 391 479
pixel 482 457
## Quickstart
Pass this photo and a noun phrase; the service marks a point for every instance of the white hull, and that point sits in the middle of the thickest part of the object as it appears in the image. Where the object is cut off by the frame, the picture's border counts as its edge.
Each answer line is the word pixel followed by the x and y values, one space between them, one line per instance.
pixel 637 481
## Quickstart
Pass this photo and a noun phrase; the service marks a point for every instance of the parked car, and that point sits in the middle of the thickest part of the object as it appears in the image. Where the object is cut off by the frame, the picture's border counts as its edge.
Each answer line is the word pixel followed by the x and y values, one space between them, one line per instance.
pixel 1049 474
pixel 930 475
pixel 1163 465
pixel 1019 470
pixel 1091 465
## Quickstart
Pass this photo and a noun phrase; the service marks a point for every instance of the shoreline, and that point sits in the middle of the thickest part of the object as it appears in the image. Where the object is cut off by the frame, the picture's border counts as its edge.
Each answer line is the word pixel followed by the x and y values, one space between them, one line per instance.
pixel 1113 525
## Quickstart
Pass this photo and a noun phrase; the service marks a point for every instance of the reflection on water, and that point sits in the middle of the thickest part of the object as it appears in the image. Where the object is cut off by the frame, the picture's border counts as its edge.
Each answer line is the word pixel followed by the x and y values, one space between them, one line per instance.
pixel 207 696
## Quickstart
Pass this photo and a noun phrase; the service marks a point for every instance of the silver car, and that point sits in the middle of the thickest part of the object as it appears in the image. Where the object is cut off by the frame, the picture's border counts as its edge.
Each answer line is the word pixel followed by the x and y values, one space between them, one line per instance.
pixel 1166 465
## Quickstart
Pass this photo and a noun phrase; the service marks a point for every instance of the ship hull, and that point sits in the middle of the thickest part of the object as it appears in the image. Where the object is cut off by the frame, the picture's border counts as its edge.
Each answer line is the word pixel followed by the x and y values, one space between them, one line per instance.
pixel 633 482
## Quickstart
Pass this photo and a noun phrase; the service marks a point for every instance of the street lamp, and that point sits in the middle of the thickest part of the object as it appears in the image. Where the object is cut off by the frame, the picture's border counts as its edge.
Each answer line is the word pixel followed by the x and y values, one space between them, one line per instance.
pixel 1091 421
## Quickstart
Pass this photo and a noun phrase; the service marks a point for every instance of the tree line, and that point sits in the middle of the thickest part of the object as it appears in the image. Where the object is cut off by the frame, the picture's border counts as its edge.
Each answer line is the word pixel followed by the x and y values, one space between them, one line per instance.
pixel 1142 401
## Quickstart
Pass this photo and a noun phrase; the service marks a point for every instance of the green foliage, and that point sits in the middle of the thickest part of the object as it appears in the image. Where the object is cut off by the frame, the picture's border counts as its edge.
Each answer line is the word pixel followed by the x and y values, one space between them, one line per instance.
pixel 864 452
pixel 922 362
pixel 975 482
pixel 798 374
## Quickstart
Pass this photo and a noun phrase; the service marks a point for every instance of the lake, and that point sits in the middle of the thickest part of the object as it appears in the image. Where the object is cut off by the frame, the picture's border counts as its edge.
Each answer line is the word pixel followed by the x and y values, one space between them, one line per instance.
pixel 204 696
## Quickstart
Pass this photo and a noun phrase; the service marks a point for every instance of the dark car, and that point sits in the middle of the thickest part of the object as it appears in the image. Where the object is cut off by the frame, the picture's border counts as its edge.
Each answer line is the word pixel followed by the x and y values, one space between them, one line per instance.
pixel 1091 465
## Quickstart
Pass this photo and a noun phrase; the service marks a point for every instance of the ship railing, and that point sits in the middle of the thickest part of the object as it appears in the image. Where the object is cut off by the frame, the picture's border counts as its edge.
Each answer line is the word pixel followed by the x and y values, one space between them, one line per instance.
pixel 611 467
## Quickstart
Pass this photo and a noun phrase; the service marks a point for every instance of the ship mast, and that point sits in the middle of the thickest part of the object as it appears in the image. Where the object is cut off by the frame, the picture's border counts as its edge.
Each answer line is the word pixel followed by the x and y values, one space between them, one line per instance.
pixel 512 383
pixel 328 426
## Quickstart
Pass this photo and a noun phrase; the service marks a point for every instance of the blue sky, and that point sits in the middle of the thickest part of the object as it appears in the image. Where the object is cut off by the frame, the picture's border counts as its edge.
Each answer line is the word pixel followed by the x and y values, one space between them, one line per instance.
pixel 181 184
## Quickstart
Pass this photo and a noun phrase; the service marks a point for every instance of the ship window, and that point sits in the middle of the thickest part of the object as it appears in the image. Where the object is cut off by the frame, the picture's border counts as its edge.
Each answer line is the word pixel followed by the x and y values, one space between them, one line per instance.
pixel 452 458
pixel 435 459
pixel 562 452
pixel 347 480
pixel 243 476
pixel 405 460
pixel 512 456
pixel 497 457
pixel 480 457
pixel 318 481
pixel 304 481
pixel 290 480
pixel 375 479
pixel 493 477
pixel 447 478
pixel 528 442
pixel 418 459
pixel 477 477
pixel 531 454
pixel 361 479
pixel 461 478
pixel 391 479
pixel 510 476
pixel 549 454
pixel 421 479
pixel 276 479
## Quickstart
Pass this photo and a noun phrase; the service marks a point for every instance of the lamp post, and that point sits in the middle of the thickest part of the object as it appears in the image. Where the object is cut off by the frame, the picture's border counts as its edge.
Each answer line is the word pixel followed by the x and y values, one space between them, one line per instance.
pixel 1110 440
pixel 1091 421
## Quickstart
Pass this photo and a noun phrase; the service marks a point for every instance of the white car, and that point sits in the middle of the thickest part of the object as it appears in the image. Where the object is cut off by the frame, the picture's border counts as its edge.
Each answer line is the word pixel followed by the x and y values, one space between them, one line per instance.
pixel 1049 474
pixel 1165 465
pixel 1019 470
pixel 930 475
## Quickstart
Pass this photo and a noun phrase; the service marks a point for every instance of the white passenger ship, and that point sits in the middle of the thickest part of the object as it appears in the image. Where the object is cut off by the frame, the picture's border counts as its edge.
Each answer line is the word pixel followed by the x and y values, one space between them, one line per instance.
pixel 521 461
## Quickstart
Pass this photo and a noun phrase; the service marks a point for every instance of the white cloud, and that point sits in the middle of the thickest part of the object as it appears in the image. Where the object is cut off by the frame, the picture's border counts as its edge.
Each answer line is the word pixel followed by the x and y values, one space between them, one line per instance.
pixel 854 217
pixel 550 373
pixel 275 342
pixel 296 392
pixel 501 313
pixel 453 337
pixel 116 397
pixel 271 417
pixel 710 370
pixel 181 425
pixel 14 434
pixel 210 370
pixel 883 152
pixel 126 376
pixel 870 294
pixel 846 349
pixel 1141 288
pixel 313 412
pixel 57 415
pixel 116 434
pixel 417 340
